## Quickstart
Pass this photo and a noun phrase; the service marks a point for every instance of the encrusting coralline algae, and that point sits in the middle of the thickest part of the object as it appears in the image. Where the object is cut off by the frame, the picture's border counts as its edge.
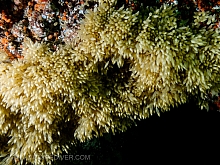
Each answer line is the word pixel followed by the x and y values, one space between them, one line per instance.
pixel 122 66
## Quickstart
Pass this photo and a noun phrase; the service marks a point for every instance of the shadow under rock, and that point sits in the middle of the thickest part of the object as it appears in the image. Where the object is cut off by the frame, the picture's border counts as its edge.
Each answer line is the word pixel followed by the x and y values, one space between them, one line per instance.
pixel 184 135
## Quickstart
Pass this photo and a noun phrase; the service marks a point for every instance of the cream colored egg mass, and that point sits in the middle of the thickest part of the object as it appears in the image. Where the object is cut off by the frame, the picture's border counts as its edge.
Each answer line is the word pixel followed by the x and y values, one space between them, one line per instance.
pixel 122 66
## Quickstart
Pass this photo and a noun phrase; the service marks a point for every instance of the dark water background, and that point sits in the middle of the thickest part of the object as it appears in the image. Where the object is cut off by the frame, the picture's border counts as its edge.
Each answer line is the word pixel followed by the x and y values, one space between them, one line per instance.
pixel 185 135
